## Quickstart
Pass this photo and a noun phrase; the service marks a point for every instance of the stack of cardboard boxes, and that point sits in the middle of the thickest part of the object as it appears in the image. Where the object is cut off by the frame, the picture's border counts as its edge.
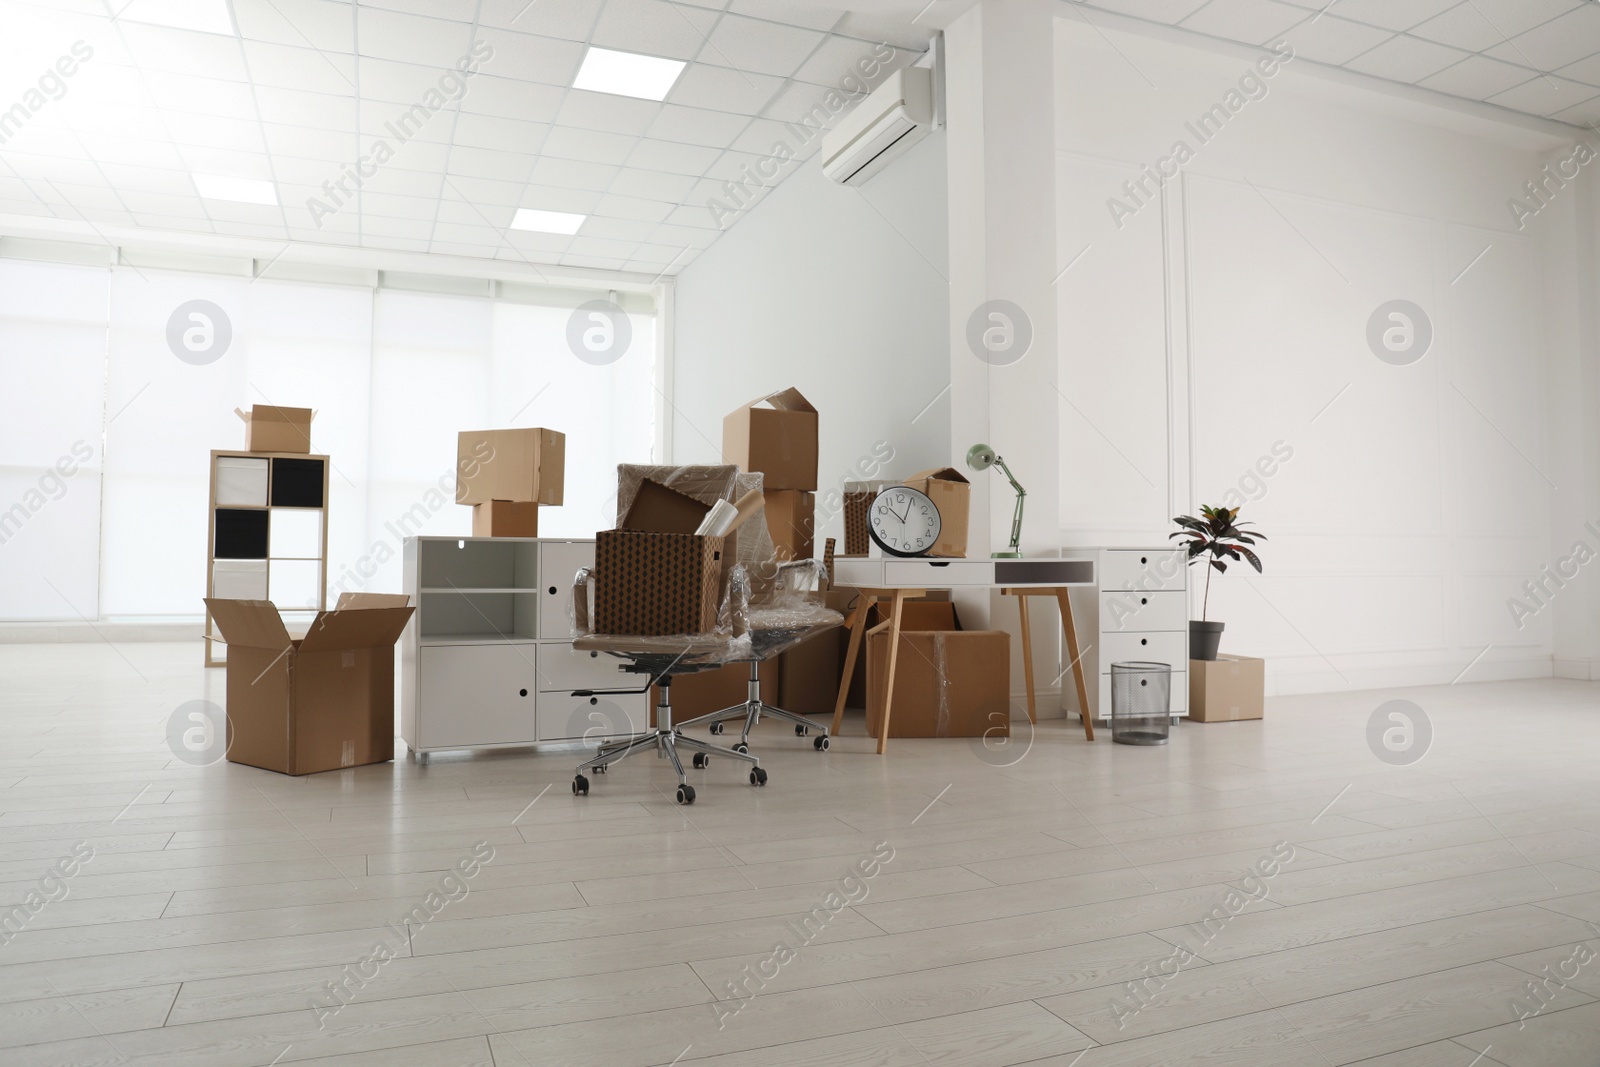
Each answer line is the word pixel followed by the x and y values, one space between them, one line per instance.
pixel 776 436
pixel 505 475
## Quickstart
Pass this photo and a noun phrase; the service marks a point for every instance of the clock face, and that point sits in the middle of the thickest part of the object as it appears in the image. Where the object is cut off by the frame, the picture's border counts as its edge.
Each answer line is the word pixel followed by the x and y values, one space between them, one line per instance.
pixel 903 521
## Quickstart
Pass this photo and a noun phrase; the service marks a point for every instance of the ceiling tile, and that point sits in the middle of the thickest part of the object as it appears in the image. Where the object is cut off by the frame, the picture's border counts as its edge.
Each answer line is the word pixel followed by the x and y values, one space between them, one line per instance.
pixel 601 246
pixel 589 146
pixel 146 179
pixel 1167 11
pixel 323 111
pixel 310 144
pixel 455 10
pixel 404 38
pixel 485 131
pixel 398 227
pixel 572 173
pixel 1390 14
pixel 569 19
pixel 202 160
pixel 1478 78
pixel 397 206
pixel 305 23
pixel 1334 40
pixel 790 12
pixel 690 125
pixel 763 47
pixel 185 92
pixel 1406 59
pixel 652 185
pixel 554 198
pixel 1563 40
pixel 207 55
pixel 1546 95
pixel 845 61
pixel 488 163
pixel 592 262
pixel 483 192
pixel 687 236
pixel 617 229
pixel 90 116
pixel 813 105
pixel 653 27
pixel 1585 114
pixel 603 111
pixel 672 157
pixel 531 58
pixel 509 98
pixel 1255 21
pixel 703 213
pixel 525 241
pixel 723 89
pixel 889 27
pixel 300 68
pixel 630 207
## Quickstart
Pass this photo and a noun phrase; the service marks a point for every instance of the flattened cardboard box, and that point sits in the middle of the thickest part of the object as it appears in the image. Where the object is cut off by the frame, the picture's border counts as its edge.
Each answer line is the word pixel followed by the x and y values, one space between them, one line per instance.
pixel 268 428
pixel 791 520
pixel 951 493
pixel 525 465
pixel 656 584
pixel 775 435
pixel 320 703
pixel 505 518
pixel 662 509
pixel 1227 689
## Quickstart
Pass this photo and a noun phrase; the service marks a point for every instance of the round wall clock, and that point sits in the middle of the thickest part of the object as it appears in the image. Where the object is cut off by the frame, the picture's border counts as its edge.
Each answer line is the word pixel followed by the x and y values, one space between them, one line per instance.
pixel 903 521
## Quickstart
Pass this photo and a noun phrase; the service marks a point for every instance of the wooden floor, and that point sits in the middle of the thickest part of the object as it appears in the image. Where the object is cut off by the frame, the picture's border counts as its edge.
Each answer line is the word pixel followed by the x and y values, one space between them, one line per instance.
pixel 1086 904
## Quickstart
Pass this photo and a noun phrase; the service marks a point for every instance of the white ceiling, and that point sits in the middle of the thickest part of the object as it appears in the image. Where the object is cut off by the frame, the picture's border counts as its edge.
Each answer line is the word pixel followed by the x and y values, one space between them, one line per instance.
pixel 1538 57
pixel 306 86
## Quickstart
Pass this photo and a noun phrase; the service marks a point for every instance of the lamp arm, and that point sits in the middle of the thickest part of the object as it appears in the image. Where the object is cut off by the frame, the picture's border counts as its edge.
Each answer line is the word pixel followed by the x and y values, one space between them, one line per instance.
pixel 1012 478
pixel 1016 515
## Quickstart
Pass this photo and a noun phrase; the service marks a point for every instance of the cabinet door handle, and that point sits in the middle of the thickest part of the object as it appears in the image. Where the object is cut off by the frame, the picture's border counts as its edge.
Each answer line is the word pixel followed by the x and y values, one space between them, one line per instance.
pixel 522 692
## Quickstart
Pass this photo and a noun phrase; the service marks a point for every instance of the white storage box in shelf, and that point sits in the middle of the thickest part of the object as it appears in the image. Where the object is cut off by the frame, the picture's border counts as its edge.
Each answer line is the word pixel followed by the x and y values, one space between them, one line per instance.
pixel 1140 611
pixel 487 660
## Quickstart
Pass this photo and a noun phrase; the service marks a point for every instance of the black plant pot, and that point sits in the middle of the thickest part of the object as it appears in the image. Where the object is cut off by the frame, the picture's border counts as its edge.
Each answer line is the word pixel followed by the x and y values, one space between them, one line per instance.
pixel 1204 638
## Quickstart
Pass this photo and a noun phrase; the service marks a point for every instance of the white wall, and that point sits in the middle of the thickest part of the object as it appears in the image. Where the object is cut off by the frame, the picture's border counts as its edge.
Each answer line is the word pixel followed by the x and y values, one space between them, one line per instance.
pixel 840 292
pixel 1226 317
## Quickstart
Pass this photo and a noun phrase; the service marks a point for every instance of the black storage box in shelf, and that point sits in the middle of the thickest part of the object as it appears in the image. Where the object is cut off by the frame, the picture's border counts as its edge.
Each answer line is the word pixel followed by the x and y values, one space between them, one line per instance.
pixel 240 534
pixel 297 483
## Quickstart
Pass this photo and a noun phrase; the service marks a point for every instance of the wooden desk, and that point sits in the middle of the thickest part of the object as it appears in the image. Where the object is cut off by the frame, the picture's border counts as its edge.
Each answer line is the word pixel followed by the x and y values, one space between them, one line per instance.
pixel 899 580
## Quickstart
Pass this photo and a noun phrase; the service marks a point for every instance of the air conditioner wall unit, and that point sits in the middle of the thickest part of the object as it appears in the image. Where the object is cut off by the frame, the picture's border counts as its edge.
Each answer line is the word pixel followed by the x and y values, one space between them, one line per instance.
pixel 893 117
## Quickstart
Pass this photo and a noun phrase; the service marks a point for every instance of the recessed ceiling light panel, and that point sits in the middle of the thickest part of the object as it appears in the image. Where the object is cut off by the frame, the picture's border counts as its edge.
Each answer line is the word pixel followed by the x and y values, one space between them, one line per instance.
pixel 208 16
pixel 240 190
pixel 628 74
pixel 528 218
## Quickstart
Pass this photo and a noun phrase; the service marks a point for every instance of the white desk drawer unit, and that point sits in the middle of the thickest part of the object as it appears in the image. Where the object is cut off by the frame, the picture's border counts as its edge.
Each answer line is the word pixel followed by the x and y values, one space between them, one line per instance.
pixel 1140 611
pixel 487 661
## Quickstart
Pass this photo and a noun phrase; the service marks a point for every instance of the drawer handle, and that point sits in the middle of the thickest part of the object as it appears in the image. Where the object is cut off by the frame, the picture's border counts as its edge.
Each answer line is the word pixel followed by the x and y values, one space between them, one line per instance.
pixel 933 563
pixel 1144 600
pixel 594 700
pixel 552 590
pixel 522 692
pixel 594 655
pixel 1144 640
pixel 1142 559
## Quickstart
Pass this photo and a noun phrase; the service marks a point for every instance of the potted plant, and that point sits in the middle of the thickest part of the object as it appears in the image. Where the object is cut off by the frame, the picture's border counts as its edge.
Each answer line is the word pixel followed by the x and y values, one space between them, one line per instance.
pixel 1218 535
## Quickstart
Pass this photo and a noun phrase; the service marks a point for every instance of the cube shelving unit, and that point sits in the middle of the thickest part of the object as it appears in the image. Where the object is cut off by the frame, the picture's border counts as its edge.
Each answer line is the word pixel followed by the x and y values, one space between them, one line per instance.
pixel 267 535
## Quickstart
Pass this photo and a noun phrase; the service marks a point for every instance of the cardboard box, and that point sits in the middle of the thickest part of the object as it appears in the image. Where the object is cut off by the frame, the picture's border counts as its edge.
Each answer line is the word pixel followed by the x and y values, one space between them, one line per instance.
pixel 662 509
pixel 320 703
pixel 951 493
pixel 791 520
pixel 274 429
pixel 858 498
pixel 708 691
pixel 916 615
pixel 656 584
pixel 505 518
pixel 526 465
pixel 808 674
pixel 1227 689
pixel 777 436
pixel 948 683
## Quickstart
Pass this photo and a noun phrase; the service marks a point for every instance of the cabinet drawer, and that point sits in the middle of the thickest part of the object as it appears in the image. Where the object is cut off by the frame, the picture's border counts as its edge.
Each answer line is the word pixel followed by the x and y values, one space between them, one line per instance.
pixel 563 717
pixel 1135 611
pixel 560 560
pixel 1154 646
pixel 563 668
pixel 1143 570
pixel 472 695
pixel 1179 704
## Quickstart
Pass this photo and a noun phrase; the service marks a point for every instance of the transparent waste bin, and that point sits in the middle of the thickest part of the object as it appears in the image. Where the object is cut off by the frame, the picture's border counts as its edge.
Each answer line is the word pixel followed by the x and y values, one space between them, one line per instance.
pixel 1141 703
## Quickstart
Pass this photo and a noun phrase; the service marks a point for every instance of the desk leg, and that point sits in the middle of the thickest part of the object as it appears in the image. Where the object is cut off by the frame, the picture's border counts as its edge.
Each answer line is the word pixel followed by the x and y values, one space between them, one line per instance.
pixel 856 623
pixel 1070 630
pixel 1027 655
pixel 894 655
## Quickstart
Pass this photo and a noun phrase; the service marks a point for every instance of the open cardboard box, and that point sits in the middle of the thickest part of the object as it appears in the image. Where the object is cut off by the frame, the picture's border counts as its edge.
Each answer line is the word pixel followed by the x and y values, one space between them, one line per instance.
pixel 268 428
pixel 317 703
pixel 776 435
pixel 951 493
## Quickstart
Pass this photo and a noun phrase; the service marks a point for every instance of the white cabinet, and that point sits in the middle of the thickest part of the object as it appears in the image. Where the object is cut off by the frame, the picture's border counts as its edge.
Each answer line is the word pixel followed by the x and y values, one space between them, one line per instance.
pixel 487 660
pixel 1139 610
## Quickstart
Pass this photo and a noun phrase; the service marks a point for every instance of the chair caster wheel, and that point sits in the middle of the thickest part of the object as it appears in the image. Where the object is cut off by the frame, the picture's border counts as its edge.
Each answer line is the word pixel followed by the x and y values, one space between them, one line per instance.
pixel 716 727
pixel 820 744
pixel 701 760
pixel 758 776
pixel 799 731
pixel 600 769
pixel 741 747
pixel 686 794
pixel 580 786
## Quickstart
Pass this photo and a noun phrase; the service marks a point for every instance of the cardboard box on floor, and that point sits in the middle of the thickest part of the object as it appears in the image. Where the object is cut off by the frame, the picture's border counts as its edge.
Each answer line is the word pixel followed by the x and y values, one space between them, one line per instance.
pixel 708 691
pixel 808 673
pixel 791 520
pixel 268 428
pixel 951 493
pixel 948 682
pixel 524 465
pixel 1227 689
pixel 320 703
pixel 776 435
pixel 916 615
pixel 505 518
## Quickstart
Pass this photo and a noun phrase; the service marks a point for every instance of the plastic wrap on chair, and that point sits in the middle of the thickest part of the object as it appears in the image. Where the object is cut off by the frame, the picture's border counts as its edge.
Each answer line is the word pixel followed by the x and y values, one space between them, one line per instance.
pixel 730 643
pixel 578 606
pixel 707 483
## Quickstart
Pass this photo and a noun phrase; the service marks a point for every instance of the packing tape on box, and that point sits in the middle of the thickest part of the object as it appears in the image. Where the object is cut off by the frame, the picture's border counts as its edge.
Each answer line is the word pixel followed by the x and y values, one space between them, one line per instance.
pixel 941 725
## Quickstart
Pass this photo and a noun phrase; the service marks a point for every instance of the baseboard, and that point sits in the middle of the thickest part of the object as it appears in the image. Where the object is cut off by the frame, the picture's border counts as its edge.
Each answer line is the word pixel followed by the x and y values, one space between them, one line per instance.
pixel 1580 670
pixel 114 631
pixel 1284 680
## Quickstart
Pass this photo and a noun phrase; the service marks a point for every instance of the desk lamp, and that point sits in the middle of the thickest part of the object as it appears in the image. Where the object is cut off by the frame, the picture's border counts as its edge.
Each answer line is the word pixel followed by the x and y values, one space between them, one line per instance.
pixel 981 457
